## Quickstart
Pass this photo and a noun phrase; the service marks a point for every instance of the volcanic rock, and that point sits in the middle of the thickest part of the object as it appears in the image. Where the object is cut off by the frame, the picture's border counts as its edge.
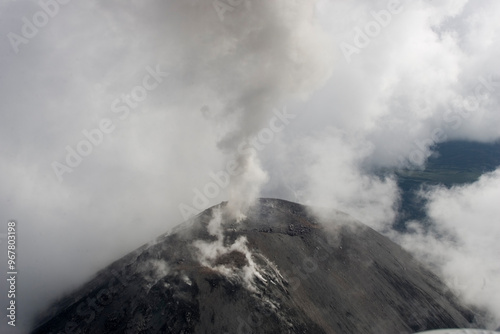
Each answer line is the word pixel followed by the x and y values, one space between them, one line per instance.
pixel 276 271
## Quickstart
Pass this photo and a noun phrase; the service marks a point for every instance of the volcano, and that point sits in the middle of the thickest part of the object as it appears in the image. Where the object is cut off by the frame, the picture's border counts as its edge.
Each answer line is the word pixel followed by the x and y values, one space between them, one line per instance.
pixel 277 270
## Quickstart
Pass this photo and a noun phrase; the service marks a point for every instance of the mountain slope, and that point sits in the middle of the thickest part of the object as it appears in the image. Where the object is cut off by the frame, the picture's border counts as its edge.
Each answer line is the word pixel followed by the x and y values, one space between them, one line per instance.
pixel 277 271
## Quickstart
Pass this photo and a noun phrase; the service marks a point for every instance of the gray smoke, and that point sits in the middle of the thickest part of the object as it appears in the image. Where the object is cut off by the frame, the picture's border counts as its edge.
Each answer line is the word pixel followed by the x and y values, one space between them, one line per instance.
pixel 429 74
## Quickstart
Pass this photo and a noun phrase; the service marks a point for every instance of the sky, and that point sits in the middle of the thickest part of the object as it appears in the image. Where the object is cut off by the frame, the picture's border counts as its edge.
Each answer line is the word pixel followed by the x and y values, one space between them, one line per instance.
pixel 119 120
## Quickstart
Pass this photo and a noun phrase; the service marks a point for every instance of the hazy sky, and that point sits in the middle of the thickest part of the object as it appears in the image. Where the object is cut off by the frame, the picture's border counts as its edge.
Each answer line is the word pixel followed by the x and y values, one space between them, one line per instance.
pixel 118 120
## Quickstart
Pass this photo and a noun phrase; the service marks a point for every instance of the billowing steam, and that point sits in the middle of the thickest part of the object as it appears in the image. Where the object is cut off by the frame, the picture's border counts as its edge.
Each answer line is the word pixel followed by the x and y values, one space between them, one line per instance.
pixel 462 244
pixel 233 260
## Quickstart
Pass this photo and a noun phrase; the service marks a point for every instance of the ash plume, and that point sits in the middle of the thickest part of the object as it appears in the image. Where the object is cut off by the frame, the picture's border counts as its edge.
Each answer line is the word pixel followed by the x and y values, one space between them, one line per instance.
pixel 261 56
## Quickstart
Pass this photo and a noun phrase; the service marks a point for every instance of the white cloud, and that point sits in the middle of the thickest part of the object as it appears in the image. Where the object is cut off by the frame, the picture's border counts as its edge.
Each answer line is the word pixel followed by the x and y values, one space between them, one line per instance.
pixel 330 173
pixel 463 244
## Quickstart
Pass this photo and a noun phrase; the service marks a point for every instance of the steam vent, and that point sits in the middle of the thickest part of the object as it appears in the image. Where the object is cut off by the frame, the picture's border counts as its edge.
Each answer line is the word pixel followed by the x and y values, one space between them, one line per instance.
pixel 276 271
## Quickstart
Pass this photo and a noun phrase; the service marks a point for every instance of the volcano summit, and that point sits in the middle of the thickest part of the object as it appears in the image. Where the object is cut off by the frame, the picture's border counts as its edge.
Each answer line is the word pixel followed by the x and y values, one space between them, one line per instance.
pixel 276 271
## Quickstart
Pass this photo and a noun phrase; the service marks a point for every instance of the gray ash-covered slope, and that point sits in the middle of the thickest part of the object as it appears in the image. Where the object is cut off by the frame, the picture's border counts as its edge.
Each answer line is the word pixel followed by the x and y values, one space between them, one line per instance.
pixel 277 271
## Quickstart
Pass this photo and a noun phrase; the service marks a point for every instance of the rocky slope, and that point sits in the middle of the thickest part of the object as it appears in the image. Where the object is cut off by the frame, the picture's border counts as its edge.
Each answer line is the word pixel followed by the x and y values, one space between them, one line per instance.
pixel 277 271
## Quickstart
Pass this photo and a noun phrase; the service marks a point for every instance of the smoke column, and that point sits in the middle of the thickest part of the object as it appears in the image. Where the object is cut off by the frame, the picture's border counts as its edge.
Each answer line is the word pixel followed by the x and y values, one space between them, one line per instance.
pixel 277 55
